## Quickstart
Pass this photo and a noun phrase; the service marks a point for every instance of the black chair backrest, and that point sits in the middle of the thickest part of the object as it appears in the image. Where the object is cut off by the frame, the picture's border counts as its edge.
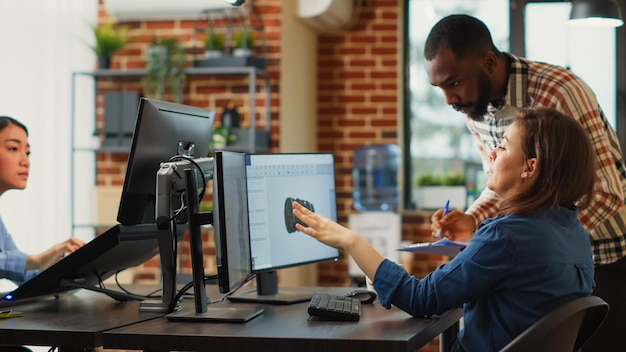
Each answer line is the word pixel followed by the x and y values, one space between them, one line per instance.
pixel 565 329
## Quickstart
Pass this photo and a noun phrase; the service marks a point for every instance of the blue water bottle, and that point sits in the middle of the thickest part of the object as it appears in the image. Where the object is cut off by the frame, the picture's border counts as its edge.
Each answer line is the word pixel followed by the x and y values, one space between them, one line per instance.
pixel 375 177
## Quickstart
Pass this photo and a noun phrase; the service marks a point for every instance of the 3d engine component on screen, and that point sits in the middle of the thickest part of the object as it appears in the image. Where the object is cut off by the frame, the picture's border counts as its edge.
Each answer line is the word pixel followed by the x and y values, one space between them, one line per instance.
pixel 290 219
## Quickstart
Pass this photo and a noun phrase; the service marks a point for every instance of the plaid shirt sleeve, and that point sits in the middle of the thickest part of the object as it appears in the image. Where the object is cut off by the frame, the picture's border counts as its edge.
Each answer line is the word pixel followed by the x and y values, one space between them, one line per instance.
pixel 487 205
pixel 568 94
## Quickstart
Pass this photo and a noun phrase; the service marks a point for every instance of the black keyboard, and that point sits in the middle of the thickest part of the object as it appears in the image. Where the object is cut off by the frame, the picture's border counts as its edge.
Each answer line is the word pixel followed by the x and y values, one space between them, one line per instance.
pixel 334 307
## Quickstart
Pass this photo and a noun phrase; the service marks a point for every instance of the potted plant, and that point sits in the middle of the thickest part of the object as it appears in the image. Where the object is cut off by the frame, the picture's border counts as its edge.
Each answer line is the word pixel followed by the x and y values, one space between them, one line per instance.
pixel 244 42
pixel 213 44
pixel 433 191
pixel 109 40
pixel 165 68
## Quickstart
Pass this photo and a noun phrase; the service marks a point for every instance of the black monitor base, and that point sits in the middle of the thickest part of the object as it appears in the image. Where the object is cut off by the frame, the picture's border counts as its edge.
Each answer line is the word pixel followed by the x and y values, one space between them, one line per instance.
pixel 217 314
pixel 267 291
pixel 285 295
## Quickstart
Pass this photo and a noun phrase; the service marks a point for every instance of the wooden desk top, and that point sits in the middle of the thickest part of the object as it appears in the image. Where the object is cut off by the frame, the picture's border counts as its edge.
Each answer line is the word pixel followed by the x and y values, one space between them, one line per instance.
pixel 285 328
pixel 71 321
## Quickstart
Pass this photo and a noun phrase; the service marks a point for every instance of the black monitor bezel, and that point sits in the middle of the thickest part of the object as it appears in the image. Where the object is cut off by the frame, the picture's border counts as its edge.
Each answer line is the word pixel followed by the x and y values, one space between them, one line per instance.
pixel 138 191
pixel 294 264
pixel 267 289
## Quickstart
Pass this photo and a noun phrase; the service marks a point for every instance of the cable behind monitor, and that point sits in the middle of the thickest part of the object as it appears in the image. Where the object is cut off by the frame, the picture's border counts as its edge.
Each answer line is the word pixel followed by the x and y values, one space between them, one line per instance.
pixel 117 295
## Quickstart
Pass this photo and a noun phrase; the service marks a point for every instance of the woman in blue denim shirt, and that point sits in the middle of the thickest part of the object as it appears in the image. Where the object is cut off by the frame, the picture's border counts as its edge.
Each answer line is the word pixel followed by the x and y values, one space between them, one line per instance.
pixel 518 266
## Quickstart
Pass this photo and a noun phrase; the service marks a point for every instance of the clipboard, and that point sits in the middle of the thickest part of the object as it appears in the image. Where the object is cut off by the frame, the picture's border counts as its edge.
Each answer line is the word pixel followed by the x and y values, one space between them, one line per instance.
pixel 443 247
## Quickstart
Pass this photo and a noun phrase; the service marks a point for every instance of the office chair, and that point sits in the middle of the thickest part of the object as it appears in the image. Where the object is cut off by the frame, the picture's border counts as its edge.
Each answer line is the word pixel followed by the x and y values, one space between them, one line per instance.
pixel 565 329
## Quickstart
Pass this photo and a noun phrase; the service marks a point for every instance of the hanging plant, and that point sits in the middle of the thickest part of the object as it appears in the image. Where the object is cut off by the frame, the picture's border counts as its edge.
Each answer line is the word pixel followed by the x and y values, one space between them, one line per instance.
pixel 214 43
pixel 109 40
pixel 165 65
pixel 244 42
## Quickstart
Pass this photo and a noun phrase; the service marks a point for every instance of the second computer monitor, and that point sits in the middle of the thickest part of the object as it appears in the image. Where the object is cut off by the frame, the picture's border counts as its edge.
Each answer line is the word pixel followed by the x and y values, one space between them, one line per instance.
pixel 274 182
pixel 230 221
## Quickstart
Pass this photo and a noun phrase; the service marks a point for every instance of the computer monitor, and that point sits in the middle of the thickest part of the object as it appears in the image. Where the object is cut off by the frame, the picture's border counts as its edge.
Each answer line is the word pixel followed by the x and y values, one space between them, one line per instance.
pixel 162 130
pixel 274 182
pixel 230 221
pixel 232 240
pixel 118 248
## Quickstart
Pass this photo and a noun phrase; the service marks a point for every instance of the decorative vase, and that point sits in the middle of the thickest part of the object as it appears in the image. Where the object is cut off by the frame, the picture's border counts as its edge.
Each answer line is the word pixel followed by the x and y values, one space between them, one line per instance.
pixel 433 197
pixel 242 52
pixel 209 54
pixel 104 62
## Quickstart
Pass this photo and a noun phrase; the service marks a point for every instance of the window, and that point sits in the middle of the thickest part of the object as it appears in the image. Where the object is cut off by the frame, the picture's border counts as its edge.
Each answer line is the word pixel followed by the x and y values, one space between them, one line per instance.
pixel 438 143
pixel 436 139
pixel 590 52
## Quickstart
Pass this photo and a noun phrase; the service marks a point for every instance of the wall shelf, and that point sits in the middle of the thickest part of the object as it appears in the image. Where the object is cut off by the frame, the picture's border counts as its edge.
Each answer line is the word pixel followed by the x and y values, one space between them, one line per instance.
pixel 252 140
pixel 249 140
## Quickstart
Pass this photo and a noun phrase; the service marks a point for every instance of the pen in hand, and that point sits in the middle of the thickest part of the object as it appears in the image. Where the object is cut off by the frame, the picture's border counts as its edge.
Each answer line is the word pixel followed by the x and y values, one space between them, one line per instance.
pixel 445 211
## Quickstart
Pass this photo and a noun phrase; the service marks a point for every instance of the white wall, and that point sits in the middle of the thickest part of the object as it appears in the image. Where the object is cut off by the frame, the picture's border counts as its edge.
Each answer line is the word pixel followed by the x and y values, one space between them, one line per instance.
pixel 43 42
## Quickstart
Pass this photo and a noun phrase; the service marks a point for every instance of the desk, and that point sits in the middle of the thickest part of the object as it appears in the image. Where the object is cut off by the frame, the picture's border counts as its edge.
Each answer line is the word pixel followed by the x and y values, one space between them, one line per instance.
pixel 72 322
pixel 286 328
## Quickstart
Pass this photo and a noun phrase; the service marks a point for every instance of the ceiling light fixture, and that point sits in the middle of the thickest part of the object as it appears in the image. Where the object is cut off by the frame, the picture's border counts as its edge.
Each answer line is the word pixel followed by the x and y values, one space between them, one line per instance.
pixel 604 13
pixel 235 2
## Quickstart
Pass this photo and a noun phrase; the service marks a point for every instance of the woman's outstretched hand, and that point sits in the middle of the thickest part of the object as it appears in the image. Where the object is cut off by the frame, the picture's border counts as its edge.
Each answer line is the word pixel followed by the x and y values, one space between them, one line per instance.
pixel 335 235
pixel 322 228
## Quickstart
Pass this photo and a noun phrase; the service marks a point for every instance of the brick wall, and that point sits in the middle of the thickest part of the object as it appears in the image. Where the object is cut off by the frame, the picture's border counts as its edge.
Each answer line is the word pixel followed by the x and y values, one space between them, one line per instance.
pixel 211 92
pixel 358 103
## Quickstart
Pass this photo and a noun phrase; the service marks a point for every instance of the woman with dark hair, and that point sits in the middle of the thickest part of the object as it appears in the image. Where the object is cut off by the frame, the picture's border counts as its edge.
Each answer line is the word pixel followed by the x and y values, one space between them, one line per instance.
pixel 534 256
pixel 16 265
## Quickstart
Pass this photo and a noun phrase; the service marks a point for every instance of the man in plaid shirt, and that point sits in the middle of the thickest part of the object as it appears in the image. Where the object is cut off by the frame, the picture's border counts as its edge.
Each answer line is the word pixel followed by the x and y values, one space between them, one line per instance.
pixel 489 86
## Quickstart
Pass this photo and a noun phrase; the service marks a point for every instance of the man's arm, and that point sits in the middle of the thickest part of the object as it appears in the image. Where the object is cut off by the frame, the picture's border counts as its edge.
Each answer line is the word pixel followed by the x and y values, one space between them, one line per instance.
pixel 486 206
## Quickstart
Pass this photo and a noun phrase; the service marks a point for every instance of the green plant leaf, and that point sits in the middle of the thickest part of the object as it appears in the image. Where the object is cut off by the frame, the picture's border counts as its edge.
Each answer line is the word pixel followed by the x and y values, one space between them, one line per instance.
pixel 109 39
pixel 214 41
pixel 451 179
pixel 244 39
pixel 165 68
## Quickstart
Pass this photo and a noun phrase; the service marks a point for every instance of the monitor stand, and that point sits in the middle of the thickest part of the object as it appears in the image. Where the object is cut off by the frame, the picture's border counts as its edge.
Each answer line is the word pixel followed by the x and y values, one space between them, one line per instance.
pixel 168 272
pixel 202 312
pixel 116 295
pixel 267 291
